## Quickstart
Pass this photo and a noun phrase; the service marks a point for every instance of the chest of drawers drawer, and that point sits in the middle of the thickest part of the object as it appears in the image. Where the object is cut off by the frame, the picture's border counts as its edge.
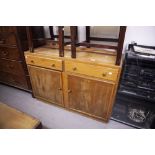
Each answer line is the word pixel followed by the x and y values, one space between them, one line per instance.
pixel 13 80
pixel 8 39
pixel 4 29
pixel 13 67
pixel 9 53
pixel 55 64
pixel 97 71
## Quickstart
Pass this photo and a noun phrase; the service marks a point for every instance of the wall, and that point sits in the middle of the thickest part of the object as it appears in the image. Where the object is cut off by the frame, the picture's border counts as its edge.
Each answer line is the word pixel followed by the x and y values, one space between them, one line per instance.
pixel 141 34
pixel 106 31
pixel 47 32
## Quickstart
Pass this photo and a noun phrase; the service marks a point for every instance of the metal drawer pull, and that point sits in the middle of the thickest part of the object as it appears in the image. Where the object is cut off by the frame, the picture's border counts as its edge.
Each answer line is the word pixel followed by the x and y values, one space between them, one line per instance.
pixel 53 65
pixel 74 69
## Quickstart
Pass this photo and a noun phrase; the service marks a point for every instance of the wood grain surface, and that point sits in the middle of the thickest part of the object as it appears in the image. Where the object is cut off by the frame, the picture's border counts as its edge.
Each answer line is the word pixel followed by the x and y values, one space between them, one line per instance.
pixel 46 84
pixel 50 63
pixel 91 70
pixel 90 96
pixel 87 84
pixel 11 118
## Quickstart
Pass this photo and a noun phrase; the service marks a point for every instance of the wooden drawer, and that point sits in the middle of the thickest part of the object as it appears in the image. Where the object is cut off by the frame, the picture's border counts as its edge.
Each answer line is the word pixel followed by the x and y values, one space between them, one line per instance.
pixel 8 39
pixel 9 53
pixel 13 67
pixel 14 80
pixel 98 71
pixel 4 29
pixel 55 64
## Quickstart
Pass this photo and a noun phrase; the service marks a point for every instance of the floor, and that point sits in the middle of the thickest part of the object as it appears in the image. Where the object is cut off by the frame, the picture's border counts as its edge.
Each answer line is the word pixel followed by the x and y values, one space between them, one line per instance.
pixel 52 116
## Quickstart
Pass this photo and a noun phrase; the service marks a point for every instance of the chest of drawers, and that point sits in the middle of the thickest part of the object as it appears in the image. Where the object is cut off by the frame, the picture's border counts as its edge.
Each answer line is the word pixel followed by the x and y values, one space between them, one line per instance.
pixel 13 43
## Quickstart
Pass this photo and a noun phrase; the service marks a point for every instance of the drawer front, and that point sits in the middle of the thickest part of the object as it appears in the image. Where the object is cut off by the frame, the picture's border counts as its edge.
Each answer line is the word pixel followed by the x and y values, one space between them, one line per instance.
pixel 55 64
pixel 14 80
pixel 106 73
pixel 4 29
pixel 13 67
pixel 8 39
pixel 9 53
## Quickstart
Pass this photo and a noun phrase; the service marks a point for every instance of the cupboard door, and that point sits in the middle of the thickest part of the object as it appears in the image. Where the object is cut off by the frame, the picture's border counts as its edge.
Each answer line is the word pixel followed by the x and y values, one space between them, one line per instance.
pixel 46 84
pixel 90 96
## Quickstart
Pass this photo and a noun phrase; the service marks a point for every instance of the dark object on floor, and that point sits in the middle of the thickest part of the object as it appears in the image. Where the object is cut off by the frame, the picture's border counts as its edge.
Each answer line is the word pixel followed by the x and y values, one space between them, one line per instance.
pixel 133 111
pixel 11 118
pixel 135 98
pixel 138 76
pixel 152 126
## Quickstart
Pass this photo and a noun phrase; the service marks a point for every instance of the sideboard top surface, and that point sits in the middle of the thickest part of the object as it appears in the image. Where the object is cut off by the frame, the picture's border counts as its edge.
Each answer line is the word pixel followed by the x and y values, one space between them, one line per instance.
pixel 89 55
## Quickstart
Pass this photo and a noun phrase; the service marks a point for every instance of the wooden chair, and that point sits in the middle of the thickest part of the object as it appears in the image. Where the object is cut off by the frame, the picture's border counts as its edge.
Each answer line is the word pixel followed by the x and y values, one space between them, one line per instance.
pixel 74 41
pixel 87 43
pixel 60 36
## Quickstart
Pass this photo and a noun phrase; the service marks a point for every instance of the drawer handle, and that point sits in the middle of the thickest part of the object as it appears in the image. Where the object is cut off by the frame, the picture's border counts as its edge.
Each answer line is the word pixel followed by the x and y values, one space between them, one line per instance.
pixel 74 69
pixel 53 65
pixel 69 91
pixel 2 41
pixel 32 61
pixel 60 89
pixel 5 53
pixel 104 74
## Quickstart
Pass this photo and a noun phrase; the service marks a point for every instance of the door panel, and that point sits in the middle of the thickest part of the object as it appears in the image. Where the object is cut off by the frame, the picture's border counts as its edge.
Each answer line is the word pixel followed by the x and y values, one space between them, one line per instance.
pixel 46 84
pixel 90 95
